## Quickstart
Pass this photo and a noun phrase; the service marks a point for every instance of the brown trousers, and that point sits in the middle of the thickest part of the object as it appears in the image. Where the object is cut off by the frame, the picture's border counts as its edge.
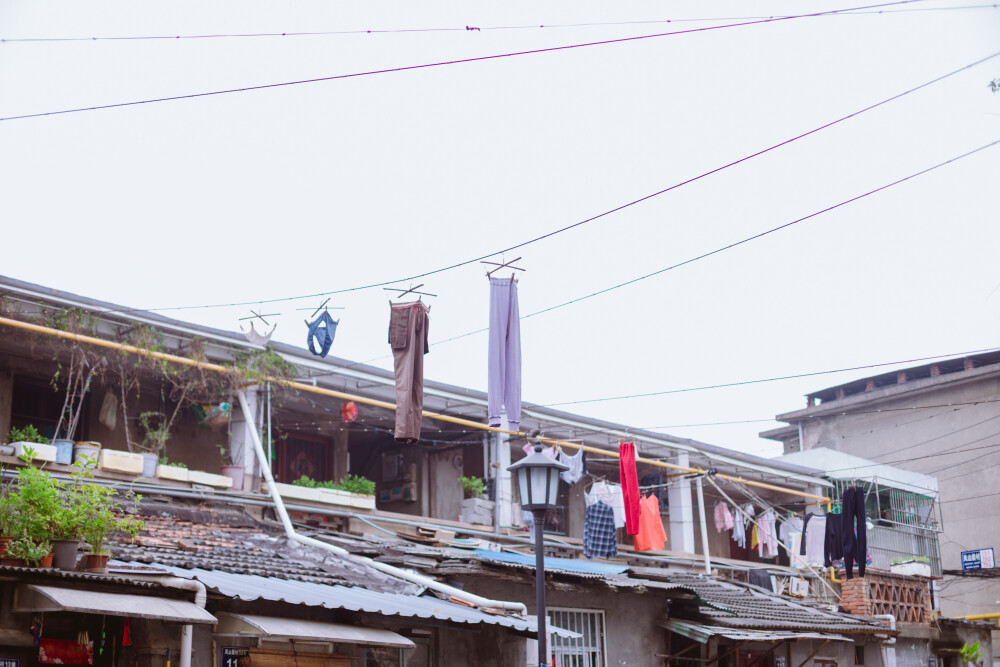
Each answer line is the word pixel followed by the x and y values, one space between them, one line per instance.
pixel 408 324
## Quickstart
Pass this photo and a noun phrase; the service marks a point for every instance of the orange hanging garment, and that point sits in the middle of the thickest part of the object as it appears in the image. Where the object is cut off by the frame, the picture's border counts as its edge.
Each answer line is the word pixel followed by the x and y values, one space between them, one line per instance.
pixel 650 536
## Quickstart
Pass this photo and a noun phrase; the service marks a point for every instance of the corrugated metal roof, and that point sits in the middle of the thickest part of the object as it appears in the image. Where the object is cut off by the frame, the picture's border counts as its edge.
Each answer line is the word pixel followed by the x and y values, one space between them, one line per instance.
pixel 251 587
pixel 307 630
pixel 702 633
pixel 33 597
pixel 552 564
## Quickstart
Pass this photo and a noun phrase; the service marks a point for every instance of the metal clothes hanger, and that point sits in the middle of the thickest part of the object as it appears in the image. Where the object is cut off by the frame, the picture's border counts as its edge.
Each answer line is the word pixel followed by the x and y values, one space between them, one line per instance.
pixel 324 307
pixel 503 264
pixel 412 289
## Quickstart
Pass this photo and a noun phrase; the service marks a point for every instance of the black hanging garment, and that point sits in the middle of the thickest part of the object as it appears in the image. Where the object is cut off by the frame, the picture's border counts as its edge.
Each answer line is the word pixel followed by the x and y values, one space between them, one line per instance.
pixel 833 541
pixel 854 537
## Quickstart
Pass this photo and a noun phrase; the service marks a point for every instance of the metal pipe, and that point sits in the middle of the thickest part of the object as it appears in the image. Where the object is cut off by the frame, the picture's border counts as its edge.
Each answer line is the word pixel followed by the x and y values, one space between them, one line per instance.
pixel 413 577
pixel 704 526
pixel 540 586
pixel 200 598
pixel 892 625
pixel 376 403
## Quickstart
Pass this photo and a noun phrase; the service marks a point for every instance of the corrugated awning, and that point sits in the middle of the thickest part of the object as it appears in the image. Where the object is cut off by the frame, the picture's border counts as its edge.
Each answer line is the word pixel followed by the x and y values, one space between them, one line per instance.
pixel 32 597
pixel 305 630
pixel 702 633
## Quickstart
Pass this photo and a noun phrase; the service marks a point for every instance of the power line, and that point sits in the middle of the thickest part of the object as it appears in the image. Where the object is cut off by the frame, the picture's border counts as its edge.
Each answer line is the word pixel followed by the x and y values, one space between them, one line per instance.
pixel 444 63
pixel 736 243
pixel 575 224
pixel 762 380
pixel 462 28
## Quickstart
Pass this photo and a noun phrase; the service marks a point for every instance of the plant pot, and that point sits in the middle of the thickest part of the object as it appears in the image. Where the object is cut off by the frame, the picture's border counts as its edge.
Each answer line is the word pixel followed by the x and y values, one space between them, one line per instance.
pixel 47 561
pixel 84 452
pixel 236 474
pixel 65 552
pixel 7 450
pixel 64 450
pixel 96 563
pixel 12 562
pixel 4 541
pixel 149 463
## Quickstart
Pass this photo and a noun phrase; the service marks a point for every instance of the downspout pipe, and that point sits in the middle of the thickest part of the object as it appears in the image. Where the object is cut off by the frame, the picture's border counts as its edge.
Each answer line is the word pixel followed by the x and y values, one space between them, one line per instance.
pixel 413 577
pixel 200 598
pixel 892 626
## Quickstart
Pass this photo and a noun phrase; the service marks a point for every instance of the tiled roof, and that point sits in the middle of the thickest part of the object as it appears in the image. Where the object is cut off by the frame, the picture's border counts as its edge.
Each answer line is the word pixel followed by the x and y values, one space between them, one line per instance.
pixel 177 537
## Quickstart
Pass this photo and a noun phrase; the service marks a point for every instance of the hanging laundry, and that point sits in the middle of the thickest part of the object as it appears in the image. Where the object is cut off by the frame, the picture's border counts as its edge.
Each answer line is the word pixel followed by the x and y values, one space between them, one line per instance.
pixel 109 410
pixel 651 535
pixel 814 547
pixel 322 330
pixel 790 535
pixel 577 466
pixel 768 547
pixel 504 377
pixel 740 524
pixel 408 325
pixel 723 518
pixel 600 538
pixel 833 544
pixel 655 480
pixel 263 339
pixel 855 540
pixel 609 494
pixel 630 486
pixel 548 451
pixel 754 537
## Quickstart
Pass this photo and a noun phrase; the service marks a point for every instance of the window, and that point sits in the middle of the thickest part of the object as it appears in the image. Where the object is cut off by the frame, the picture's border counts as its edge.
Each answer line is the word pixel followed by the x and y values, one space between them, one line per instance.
pixel 859 655
pixel 586 651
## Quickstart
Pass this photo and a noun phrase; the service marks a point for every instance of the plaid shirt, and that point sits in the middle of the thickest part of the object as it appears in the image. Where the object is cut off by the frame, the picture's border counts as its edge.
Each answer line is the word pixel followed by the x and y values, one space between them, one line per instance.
pixel 600 537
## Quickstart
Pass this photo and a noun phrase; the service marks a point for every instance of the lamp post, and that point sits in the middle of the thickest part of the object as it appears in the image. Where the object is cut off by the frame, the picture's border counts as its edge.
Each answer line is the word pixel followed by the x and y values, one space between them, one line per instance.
pixel 538 485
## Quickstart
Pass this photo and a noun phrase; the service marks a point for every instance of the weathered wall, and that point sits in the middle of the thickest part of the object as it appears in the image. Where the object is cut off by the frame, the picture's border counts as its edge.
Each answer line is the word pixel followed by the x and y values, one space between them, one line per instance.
pixel 843 653
pixel 949 443
pixel 482 647
pixel 632 634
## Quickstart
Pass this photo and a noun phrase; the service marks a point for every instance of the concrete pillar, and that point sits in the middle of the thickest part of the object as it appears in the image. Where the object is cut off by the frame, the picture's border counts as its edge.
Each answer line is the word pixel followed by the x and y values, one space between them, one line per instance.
pixel 505 494
pixel 6 401
pixel 681 512
pixel 341 462
pixel 240 443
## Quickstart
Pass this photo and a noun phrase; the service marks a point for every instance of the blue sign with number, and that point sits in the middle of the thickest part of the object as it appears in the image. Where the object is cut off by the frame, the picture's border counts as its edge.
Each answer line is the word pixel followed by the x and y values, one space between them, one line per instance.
pixel 230 655
pixel 980 559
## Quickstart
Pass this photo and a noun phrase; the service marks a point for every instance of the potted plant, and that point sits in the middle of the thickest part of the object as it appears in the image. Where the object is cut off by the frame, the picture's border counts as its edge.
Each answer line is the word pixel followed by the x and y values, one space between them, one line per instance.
pixel 172 470
pixel 67 521
pixel 99 519
pixel 230 468
pixel 156 432
pixel 475 508
pixel 21 439
pixel 34 554
pixel 80 371
pixel 472 487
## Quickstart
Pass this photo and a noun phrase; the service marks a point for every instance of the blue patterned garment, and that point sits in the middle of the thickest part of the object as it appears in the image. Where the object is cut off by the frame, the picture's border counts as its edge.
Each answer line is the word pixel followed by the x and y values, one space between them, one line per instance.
pixel 600 537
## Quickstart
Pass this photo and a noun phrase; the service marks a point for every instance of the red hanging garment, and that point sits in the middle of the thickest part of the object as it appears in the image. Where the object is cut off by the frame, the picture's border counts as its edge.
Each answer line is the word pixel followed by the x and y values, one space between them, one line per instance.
pixel 630 486
pixel 651 535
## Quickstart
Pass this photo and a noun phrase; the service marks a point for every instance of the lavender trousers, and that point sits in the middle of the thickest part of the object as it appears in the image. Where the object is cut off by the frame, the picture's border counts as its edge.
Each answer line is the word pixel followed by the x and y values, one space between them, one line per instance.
pixel 504 380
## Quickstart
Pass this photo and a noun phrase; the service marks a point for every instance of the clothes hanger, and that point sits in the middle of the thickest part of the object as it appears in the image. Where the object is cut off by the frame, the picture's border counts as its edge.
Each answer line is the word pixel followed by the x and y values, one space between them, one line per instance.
pixel 412 289
pixel 255 315
pixel 324 307
pixel 503 264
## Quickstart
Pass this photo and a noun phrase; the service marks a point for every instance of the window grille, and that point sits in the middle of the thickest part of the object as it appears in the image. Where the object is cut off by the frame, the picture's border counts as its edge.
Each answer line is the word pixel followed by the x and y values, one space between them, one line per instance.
pixel 586 651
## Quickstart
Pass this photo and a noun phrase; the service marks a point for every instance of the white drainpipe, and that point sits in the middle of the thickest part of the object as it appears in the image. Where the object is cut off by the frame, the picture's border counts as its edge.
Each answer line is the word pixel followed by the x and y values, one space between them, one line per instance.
pixel 413 577
pixel 888 650
pixel 200 597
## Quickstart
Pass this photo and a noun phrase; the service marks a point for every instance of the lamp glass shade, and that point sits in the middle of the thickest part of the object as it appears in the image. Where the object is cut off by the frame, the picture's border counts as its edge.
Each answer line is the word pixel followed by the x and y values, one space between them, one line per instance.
pixel 522 486
pixel 553 496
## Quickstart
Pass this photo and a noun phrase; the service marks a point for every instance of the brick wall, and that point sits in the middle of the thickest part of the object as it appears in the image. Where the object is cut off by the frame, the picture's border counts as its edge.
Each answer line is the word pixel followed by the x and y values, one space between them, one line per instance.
pixel 906 598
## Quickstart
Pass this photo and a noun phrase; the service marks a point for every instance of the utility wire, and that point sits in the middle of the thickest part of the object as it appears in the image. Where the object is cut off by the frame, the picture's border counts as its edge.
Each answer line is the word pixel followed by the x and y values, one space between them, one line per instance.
pixel 462 28
pixel 762 380
pixel 573 225
pixel 446 62
pixel 736 243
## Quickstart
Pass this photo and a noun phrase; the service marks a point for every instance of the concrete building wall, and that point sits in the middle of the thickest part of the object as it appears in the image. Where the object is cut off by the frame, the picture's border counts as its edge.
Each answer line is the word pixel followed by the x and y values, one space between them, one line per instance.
pixel 959 443
pixel 632 633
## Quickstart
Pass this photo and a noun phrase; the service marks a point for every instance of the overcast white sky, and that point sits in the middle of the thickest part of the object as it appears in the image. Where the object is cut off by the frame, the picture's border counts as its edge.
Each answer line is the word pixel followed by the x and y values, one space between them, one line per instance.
pixel 330 185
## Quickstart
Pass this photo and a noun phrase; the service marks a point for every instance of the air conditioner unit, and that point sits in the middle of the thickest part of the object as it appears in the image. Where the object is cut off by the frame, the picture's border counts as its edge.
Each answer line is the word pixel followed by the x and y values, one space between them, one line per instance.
pixel 798 587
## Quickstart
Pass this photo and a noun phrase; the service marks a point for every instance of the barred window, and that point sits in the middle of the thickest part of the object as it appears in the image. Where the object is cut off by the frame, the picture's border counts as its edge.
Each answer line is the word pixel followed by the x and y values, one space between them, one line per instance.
pixel 585 651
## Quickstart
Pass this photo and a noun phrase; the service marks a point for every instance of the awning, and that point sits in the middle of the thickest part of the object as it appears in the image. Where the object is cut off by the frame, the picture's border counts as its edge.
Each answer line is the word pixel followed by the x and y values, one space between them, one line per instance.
pixel 702 633
pixel 292 628
pixel 31 597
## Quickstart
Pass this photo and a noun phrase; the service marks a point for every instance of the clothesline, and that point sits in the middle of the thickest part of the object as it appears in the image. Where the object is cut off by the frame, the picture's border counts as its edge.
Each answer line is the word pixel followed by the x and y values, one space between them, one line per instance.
pixel 790 551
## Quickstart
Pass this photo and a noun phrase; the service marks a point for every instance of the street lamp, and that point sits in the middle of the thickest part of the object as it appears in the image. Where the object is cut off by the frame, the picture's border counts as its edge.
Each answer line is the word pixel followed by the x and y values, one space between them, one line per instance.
pixel 538 484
